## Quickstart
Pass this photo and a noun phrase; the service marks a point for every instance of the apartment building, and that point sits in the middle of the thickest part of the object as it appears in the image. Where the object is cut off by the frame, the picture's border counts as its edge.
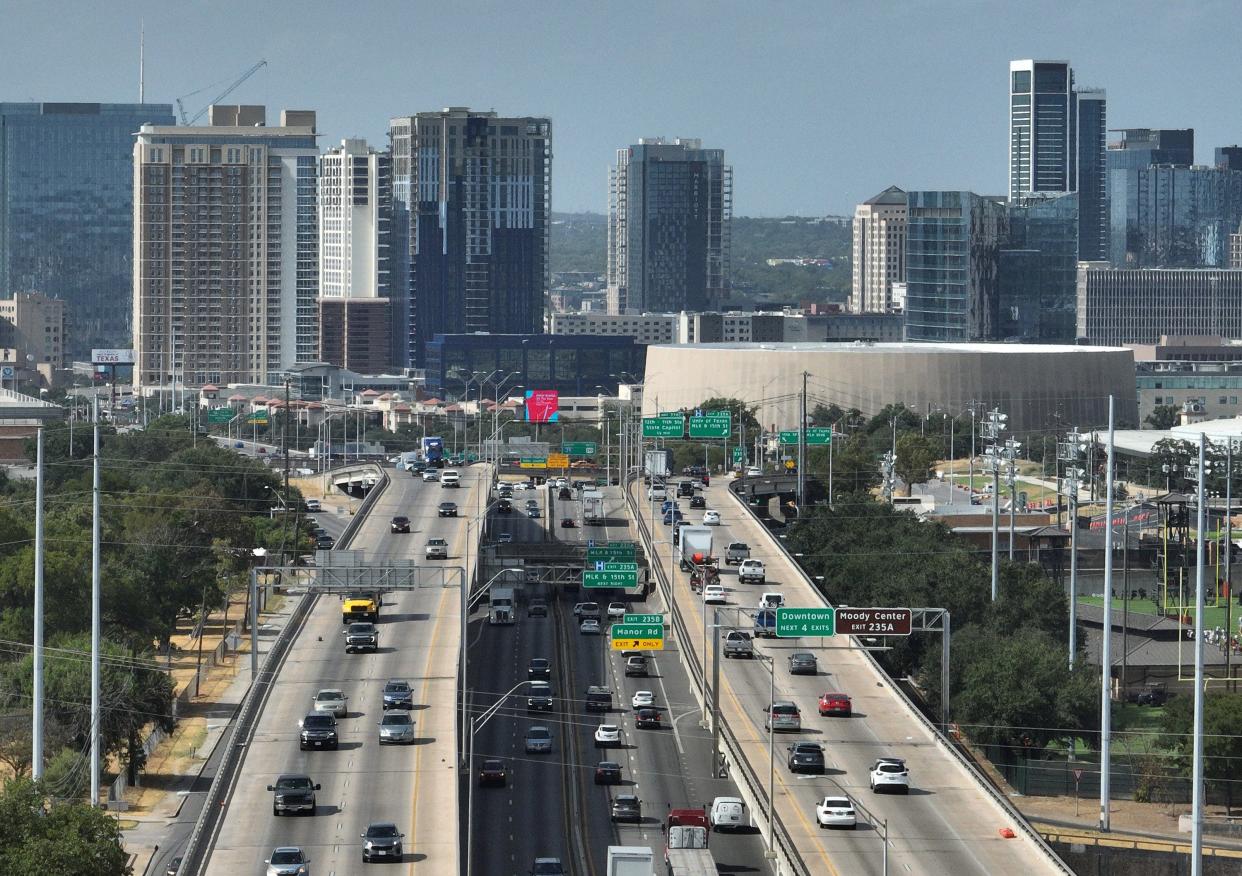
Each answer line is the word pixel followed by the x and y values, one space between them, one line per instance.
pixel 879 250
pixel 1138 306
pixel 226 245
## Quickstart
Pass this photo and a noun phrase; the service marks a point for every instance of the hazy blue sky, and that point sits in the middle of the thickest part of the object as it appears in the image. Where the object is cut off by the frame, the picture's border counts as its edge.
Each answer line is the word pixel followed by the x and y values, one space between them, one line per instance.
pixel 818 105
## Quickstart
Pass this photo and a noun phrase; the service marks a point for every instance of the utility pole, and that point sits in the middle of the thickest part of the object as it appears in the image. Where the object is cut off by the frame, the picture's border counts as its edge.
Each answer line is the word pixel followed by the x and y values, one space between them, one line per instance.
pixel 96 634
pixel 993 425
pixel 1196 785
pixel 887 465
pixel 36 741
pixel 802 446
pixel 1072 474
pixel 1011 460
pixel 1106 640
pixel 1228 562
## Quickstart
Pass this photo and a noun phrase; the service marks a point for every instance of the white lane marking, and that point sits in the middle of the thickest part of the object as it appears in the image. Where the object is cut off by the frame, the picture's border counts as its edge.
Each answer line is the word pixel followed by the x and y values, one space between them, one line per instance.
pixel 664 696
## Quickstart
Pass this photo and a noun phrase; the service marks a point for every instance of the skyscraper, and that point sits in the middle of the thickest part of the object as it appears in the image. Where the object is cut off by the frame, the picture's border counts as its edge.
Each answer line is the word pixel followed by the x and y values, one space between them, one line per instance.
pixel 1166 216
pixel 953 244
pixel 879 251
pixel 471 207
pixel 669 227
pixel 227 241
pixel 67 211
pixel 1037 288
pixel 1057 141
pixel 355 211
pixel 1143 147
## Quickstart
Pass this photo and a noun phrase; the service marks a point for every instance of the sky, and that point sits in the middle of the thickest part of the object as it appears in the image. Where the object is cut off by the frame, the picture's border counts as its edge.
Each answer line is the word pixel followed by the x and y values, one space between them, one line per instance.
pixel 818 105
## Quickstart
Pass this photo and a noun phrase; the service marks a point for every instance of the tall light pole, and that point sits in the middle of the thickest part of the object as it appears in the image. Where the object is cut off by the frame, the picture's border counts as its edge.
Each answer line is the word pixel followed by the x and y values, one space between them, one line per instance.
pixel 1072 476
pixel 1106 668
pixel 1196 784
pixel 992 428
pixel 475 725
pixel 96 632
pixel 1011 474
pixel 36 741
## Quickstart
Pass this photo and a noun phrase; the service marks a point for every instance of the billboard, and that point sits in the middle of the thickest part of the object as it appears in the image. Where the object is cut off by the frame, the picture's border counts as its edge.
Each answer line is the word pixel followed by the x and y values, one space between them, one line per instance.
pixel 112 357
pixel 542 405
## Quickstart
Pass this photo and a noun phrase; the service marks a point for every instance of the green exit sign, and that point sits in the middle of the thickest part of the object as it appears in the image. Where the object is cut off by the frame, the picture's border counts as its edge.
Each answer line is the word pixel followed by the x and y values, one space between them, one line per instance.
pixel 638 631
pixel 647 619
pixel 794 622
pixel 711 424
pixel 664 426
pixel 617 552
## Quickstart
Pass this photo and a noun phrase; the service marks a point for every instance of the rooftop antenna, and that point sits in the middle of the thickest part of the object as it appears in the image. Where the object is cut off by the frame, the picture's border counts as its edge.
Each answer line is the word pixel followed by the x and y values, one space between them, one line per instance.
pixel 142 58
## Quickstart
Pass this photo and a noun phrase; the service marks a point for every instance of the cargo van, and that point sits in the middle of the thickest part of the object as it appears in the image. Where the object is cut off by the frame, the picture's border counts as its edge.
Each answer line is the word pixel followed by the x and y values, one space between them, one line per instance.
pixel 728 813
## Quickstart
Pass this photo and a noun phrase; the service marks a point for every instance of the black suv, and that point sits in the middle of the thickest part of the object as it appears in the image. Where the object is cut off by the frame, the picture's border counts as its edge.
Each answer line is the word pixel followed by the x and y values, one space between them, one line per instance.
pixel 539 667
pixel 806 757
pixel 318 731
pixel 400 523
pixel 361 637
pixel 448 509
pixel 324 542
pixel 293 793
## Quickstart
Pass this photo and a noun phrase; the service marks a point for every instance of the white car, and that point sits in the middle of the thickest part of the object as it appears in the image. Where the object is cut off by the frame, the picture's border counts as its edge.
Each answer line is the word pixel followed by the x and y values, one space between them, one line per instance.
pixel 711 518
pixel 772 599
pixel 754 472
pixel 643 699
pixel 714 594
pixel 607 735
pixel 331 699
pixel 890 774
pixel 616 609
pixel 287 861
pixel 590 626
pixel 836 812
pixel 560 483
pixel 431 474
pixel 519 486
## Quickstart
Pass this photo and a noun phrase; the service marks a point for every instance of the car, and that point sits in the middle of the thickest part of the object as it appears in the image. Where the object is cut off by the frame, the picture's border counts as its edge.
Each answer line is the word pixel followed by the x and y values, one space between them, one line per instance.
pixel 754 471
pixel 568 523
pixel 751 572
pixel 400 523
pixel 727 814
pixel 450 479
pixel 312 506
pixel 697 501
pixel 636 665
pixel 598 699
pixel 736 552
pixel 504 491
pixel 642 699
pixel 782 715
pixel 430 474
pixel 590 626
pixel 607 735
pixel 627 807
pixel 538 740
pixel 772 599
pixel 672 516
pixel 532 513
pixel 175 865
pixel 537 608
pixel 608 772
pixel 504 506
pixel 657 492
pixel 803 663
pixel 564 494
pixel 285 861
pixel 447 509
pixel 711 518
pixel 738 644
pixel 539 668
pixel 586 609
pixel 504 538
pixel 361 636
pixel 806 757
pixel 492 772
pixel 437 549
pixel 714 594
pixel 532 503
pixel 547 867
pixel 293 792
pixel 396 727
pixel 318 730
pixel 324 542
pixel 332 700
pixel 398 694
pixel 616 609
pixel 647 719
pixel 836 812
pixel 890 774
pixel 833 703
pixel 539 697
pixel 381 840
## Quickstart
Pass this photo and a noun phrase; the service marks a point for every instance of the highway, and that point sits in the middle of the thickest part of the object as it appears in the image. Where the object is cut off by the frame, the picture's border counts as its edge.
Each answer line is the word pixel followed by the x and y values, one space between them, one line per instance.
pixel 414 786
pixel 551 805
pixel 947 823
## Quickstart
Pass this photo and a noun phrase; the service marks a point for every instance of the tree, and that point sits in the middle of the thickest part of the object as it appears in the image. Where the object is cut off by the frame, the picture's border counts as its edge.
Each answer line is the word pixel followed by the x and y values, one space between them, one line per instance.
pixel 1222 743
pixel 65 838
pixel 1163 417
pixel 915 457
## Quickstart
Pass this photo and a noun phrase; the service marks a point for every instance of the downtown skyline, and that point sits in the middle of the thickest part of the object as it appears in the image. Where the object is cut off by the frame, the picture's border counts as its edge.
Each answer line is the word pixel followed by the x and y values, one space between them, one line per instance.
pixel 862 98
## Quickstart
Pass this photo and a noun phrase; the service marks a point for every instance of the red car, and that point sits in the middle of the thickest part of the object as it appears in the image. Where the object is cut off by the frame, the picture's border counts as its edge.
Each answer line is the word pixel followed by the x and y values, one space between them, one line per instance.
pixel 647 719
pixel 492 773
pixel 835 704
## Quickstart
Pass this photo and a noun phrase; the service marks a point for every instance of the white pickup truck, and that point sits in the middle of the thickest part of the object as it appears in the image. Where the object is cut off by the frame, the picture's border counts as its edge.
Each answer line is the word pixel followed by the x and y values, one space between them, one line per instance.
pixel 752 572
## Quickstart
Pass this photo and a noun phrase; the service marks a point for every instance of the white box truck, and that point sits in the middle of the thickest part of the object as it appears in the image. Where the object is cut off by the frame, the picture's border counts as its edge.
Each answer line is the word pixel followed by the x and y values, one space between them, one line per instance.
pixel 592 508
pixel 501 611
pixel 630 861
pixel 659 463
pixel 695 541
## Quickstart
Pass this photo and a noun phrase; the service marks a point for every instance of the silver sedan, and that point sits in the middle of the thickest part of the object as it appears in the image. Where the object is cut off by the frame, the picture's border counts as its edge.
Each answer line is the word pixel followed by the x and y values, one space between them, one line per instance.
pixel 333 700
pixel 396 726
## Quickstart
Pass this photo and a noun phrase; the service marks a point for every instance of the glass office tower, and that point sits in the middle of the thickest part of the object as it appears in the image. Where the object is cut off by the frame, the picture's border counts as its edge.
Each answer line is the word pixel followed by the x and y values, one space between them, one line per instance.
pixel 67 211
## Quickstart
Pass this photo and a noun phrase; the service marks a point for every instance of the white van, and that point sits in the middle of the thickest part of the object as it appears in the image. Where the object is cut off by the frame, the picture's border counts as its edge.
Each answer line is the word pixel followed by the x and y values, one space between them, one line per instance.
pixel 450 478
pixel 772 599
pixel 728 813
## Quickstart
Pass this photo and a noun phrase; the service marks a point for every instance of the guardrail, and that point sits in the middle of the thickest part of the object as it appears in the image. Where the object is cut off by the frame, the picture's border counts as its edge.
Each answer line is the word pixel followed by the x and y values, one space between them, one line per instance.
pixel 980 779
pixel 782 842
pixel 207 827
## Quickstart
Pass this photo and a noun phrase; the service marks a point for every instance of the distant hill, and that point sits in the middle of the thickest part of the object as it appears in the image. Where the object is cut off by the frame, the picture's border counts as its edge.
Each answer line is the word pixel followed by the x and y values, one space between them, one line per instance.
pixel 579 242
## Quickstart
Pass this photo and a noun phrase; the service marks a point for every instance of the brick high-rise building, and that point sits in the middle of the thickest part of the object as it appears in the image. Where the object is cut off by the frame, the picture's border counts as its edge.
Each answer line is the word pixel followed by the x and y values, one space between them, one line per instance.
pixel 226 248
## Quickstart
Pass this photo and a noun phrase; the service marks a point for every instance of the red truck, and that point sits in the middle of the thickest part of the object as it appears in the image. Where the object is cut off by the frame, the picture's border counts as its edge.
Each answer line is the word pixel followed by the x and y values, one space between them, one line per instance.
pixel 685 829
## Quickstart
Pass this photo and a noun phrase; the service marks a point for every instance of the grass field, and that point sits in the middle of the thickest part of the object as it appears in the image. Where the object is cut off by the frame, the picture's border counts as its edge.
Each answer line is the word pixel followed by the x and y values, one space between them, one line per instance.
pixel 1213 616
pixel 1034 492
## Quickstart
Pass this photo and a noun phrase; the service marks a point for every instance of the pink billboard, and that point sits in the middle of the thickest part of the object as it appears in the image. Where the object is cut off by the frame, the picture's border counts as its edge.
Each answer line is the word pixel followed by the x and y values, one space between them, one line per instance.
pixel 542 405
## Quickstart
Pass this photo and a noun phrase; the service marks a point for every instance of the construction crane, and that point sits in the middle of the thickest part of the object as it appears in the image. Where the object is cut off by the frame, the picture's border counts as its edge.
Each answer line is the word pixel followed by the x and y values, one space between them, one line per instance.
pixel 219 97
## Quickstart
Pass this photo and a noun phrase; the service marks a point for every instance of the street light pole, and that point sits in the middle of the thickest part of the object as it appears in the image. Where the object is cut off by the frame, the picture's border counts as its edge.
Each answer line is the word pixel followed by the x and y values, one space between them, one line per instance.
pixel 475 725
pixel 1196 836
pixel 1106 699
